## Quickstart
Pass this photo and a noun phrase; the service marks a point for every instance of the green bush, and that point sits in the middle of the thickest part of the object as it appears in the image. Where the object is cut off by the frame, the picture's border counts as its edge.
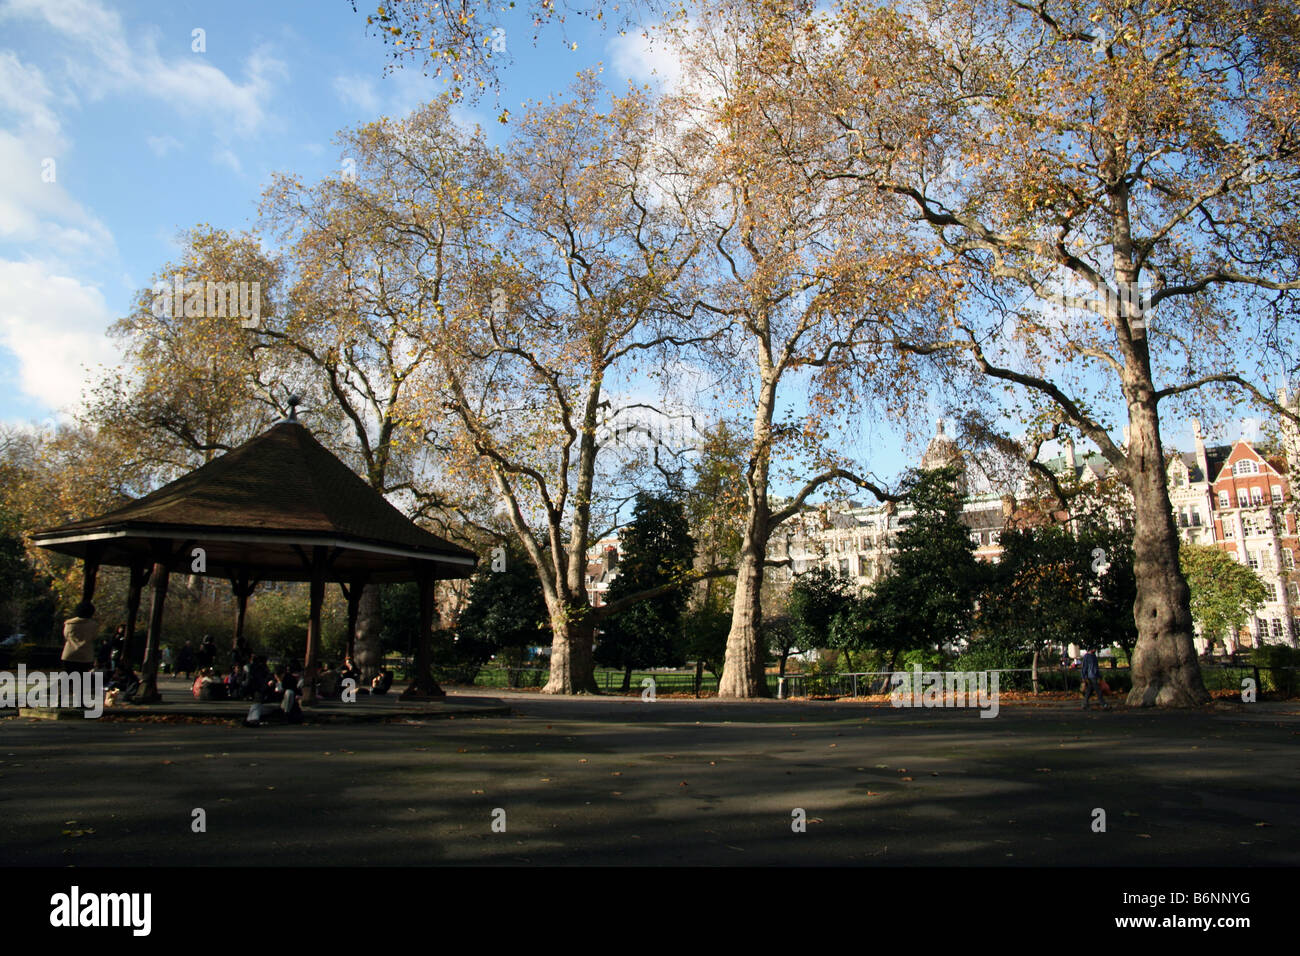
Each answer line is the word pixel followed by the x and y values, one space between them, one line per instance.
pixel 994 655
pixel 820 677
pixel 1277 674
pixel 929 660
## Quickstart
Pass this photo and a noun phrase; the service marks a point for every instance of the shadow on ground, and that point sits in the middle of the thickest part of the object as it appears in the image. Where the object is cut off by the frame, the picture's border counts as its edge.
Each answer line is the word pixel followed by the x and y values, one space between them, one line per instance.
pixel 620 781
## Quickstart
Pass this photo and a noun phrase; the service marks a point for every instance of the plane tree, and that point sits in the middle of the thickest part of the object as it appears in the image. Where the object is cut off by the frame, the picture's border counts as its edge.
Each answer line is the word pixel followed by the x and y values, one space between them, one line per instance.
pixel 1112 187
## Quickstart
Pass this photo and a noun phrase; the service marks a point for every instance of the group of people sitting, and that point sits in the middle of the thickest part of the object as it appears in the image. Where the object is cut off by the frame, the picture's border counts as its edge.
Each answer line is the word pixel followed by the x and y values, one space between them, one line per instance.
pixel 333 681
pixel 255 682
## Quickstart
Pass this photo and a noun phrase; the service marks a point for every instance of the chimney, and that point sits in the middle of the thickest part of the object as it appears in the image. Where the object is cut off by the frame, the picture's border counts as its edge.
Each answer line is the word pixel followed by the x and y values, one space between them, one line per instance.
pixel 1069 455
pixel 1202 461
pixel 611 558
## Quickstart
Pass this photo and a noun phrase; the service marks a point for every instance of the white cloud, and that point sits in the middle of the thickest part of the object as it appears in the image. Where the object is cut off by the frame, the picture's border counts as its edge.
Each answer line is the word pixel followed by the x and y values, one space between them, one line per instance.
pixel 162 145
pixel 105 62
pixel 395 94
pixel 24 93
pixel 34 210
pixel 358 92
pixel 55 326
pixel 226 157
pixel 648 57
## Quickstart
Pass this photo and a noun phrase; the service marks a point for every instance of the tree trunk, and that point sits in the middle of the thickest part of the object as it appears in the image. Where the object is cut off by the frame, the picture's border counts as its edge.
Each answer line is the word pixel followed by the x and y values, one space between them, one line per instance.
pixel 572 668
pixel 1035 669
pixel 1164 667
pixel 627 678
pixel 366 652
pixel 742 671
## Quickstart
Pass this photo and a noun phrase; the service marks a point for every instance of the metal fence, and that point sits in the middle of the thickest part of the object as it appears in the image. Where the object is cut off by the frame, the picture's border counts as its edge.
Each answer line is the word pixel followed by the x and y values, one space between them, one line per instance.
pixel 1227 676
pixel 1283 680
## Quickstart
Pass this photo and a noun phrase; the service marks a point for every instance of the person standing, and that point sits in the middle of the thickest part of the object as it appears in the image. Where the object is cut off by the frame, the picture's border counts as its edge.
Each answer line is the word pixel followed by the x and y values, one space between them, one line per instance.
pixel 207 655
pixel 259 681
pixel 1090 671
pixel 119 647
pixel 79 633
pixel 185 660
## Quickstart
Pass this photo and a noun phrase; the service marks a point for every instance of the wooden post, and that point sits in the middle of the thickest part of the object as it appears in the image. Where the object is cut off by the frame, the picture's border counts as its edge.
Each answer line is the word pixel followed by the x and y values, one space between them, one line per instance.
pixel 148 693
pixel 311 663
pixel 242 588
pixel 353 592
pixel 89 571
pixel 423 686
pixel 139 577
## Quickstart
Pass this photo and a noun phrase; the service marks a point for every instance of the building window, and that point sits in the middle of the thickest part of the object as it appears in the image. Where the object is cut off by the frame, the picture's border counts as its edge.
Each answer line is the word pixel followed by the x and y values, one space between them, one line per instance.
pixel 1257 496
pixel 1252 558
pixel 994 537
pixel 1288 559
pixel 844 567
pixel 1277 627
pixel 1277 494
pixel 1270 589
pixel 1245 467
pixel 1229 529
pixel 1224 500
pixel 1294 590
pixel 1243 498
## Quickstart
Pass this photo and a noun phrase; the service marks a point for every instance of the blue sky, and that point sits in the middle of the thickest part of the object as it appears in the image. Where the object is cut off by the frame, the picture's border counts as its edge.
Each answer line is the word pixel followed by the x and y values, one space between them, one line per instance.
pixel 116 135
pixel 149 137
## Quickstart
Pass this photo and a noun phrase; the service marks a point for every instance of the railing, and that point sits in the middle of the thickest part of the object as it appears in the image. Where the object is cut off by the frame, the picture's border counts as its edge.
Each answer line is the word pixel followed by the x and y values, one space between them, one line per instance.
pixel 857 683
pixel 1215 676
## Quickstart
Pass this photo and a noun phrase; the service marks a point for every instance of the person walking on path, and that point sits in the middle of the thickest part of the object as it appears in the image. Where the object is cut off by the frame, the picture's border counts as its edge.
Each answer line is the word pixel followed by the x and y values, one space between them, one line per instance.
pixel 1090 671
pixel 79 633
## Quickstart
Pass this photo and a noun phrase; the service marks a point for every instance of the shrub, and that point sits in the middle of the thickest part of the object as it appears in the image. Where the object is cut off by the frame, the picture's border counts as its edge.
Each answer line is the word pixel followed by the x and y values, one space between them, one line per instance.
pixel 993 655
pixel 1277 674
